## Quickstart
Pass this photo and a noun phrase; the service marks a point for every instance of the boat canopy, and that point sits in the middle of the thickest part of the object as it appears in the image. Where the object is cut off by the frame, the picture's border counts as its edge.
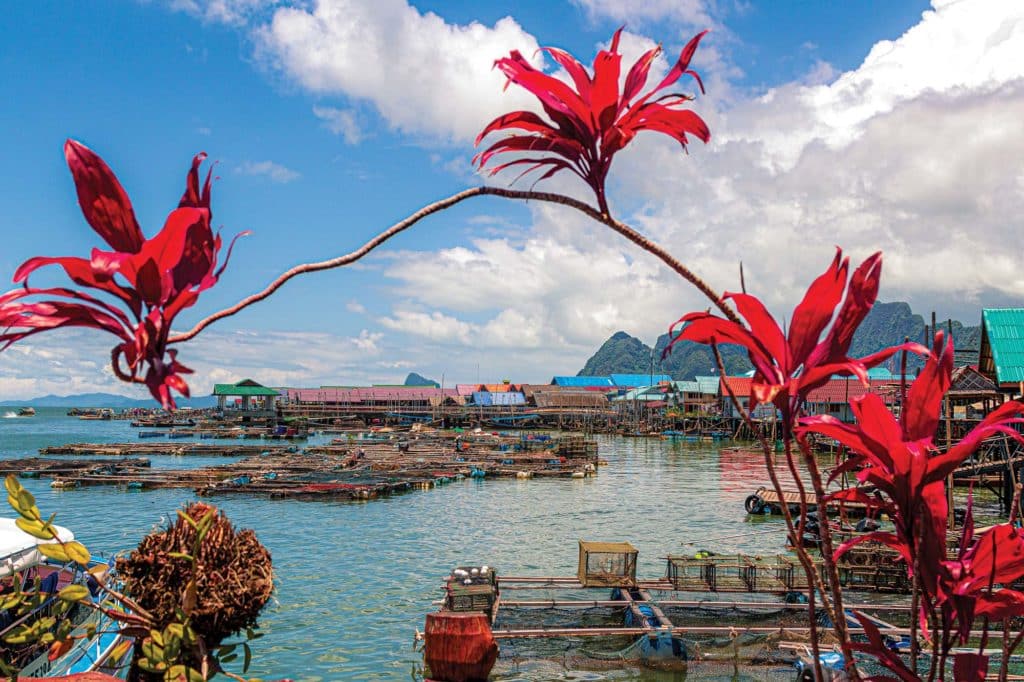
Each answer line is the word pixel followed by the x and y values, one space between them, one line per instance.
pixel 18 548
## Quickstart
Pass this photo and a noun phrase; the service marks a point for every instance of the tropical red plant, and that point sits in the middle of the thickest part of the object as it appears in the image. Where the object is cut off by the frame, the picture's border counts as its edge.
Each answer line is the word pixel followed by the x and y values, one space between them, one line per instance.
pixel 967 583
pixel 788 366
pixel 591 120
pixel 900 458
pixel 152 280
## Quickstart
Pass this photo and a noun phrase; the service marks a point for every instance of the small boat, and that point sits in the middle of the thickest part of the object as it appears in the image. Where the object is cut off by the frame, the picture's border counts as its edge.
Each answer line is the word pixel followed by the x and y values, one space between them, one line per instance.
pixel 27 412
pixel 151 434
pixel 19 554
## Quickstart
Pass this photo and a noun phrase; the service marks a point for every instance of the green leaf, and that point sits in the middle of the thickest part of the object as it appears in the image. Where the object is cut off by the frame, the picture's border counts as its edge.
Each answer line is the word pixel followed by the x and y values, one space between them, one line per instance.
pixel 188 600
pixel 74 593
pixel 55 552
pixel 229 658
pixel 181 555
pixel 181 673
pixel 226 649
pixel 187 519
pixel 35 528
pixel 248 658
pixel 27 504
pixel 78 553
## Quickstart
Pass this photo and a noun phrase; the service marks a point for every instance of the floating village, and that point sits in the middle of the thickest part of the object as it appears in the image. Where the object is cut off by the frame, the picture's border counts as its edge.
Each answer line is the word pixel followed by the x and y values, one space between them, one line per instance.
pixel 669 611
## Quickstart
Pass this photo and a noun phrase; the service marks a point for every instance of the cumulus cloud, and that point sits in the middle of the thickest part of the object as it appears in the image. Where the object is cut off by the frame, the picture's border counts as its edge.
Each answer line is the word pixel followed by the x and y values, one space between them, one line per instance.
pixel 75 361
pixel 269 169
pixel 231 12
pixel 340 122
pixel 917 152
pixel 423 75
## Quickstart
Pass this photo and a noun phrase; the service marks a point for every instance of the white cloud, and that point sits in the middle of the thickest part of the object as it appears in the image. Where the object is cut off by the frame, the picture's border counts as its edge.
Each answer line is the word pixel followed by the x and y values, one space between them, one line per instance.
pixel 274 171
pixel 340 122
pixel 435 326
pixel 231 12
pixel 355 307
pixel 423 75
pixel 917 153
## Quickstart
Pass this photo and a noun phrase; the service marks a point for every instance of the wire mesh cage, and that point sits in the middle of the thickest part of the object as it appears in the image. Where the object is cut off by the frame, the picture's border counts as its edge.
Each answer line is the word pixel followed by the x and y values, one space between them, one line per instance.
pixel 607 564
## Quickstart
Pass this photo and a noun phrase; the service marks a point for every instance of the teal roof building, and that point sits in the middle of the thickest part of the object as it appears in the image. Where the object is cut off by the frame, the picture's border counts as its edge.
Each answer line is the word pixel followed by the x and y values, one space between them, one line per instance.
pixel 1001 356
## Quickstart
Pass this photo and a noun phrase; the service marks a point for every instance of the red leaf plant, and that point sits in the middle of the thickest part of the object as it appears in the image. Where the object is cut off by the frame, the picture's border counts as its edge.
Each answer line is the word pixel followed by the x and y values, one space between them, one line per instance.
pixel 152 280
pixel 967 583
pixel 900 458
pixel 788 366
pixel 591 120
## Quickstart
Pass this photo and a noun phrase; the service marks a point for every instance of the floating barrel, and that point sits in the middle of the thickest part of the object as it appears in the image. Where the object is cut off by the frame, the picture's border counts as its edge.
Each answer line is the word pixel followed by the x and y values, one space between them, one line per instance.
pixel 459 647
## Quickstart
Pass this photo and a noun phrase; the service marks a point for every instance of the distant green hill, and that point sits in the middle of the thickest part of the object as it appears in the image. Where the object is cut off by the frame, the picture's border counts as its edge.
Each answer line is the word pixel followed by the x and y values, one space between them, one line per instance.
pixel 105 400
pixel 415 379
pixel 886 325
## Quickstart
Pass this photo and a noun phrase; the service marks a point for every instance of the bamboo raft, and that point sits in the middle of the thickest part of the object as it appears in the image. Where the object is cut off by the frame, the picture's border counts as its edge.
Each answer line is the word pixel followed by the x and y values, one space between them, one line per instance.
pixel 336 472
pixel 173 449
pixel 38 467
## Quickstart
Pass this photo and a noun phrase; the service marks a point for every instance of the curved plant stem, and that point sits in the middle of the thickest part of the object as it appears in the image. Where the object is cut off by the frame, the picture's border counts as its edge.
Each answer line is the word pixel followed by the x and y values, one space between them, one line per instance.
pixel 794 529
pixel 828 558
pixel 625 230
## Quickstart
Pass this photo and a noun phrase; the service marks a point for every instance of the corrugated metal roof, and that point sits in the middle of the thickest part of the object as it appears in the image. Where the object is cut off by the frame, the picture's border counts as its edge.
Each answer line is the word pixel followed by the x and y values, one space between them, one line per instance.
pixel 634 380
pixel 565 399
pixel 708 384
pixel 1004 334
pixel 368 394
pixel 687 386
pixel 245 387
pixel 583 381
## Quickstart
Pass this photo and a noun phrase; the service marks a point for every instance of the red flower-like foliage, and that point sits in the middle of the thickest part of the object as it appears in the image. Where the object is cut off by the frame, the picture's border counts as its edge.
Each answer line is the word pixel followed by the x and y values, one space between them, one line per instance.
pixel 591 120
pixel 154 279
pixel 788 367
pixel 967 584
pixel 902 461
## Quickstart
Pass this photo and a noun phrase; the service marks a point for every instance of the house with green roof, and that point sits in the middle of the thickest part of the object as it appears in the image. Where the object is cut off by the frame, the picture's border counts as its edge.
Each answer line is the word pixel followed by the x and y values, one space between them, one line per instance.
pixel 248 396
pixel 1001 355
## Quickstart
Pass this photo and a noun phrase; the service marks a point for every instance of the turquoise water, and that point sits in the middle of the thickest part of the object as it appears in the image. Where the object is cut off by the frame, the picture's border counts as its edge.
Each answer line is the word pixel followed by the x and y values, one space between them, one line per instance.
pixel 356 579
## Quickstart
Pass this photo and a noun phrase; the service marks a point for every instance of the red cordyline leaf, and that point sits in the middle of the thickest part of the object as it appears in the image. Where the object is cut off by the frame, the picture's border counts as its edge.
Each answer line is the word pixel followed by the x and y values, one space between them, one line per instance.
pixel 590 121
pixel 789 366
pixel 903 463
pixel 875 646
pixel 154 279
pixel 970 666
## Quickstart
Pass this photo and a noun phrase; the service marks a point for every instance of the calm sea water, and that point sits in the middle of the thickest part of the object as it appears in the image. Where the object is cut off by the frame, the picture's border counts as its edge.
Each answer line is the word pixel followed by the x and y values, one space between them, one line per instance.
pixel 356 579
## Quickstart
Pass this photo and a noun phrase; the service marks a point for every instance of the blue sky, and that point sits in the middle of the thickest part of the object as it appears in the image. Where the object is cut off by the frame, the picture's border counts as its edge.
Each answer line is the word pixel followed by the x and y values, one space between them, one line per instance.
pixel 834 123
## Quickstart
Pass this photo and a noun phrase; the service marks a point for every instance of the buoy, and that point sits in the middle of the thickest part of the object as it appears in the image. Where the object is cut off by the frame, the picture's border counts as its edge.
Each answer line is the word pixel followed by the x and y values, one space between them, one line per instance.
pixel 523 474
pixel 459 647
pixel 578 474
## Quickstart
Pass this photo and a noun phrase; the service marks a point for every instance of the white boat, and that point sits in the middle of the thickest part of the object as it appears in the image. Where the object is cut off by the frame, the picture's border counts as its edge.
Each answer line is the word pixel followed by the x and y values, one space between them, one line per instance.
pixel 19 553
pixel 27 412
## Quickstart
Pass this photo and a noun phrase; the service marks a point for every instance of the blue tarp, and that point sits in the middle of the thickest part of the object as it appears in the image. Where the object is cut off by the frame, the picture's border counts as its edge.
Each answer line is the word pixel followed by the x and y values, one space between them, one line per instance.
pixel 634 380
pixel 582 382
pixel 487 398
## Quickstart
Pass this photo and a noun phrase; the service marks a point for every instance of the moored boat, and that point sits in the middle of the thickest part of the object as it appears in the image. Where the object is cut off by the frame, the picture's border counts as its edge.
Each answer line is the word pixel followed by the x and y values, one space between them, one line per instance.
pixel 19 554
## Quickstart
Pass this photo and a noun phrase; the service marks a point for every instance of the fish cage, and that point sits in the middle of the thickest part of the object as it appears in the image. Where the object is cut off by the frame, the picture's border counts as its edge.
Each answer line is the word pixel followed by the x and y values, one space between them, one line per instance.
pixel 734 573
pixel 471 588
pixel 607 564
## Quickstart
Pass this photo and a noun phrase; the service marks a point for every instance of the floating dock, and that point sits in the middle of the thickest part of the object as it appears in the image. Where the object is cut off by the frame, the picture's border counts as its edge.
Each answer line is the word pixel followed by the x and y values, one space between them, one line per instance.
pixel 693 613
